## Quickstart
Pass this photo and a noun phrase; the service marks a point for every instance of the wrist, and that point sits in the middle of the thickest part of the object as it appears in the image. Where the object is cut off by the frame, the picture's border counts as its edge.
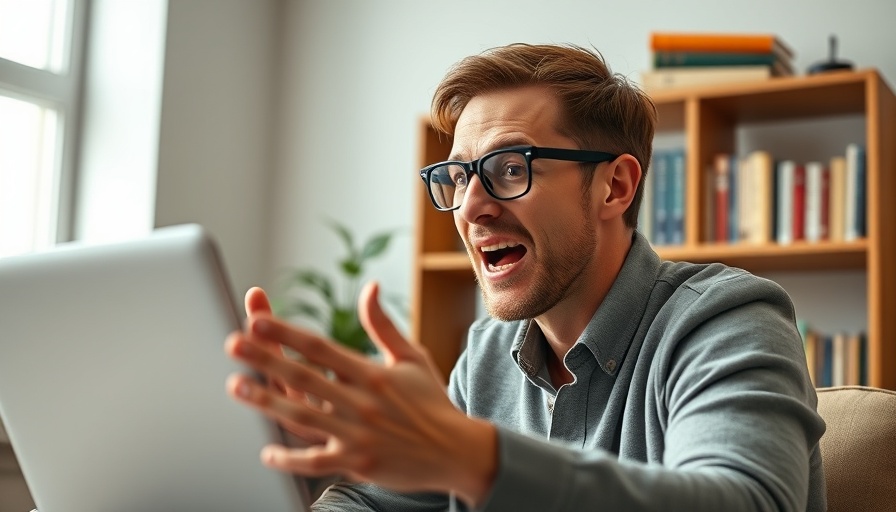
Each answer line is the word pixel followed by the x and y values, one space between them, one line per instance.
pixel 478 462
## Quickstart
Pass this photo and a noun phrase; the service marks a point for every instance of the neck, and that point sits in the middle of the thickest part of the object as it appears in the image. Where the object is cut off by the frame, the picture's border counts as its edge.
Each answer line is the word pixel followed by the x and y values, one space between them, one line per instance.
pixel 563 324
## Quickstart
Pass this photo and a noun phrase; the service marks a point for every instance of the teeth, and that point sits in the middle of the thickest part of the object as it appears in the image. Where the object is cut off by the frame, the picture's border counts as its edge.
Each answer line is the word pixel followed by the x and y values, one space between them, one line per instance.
pixel 498 246
pixel 493 268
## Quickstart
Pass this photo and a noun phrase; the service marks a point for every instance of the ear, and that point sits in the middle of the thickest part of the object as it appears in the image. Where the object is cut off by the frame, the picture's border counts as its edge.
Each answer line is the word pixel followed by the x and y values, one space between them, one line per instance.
pixel 621 178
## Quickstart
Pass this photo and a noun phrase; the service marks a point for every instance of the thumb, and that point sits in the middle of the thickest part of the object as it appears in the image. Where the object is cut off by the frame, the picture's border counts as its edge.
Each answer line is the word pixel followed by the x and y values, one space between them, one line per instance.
pixel 380 327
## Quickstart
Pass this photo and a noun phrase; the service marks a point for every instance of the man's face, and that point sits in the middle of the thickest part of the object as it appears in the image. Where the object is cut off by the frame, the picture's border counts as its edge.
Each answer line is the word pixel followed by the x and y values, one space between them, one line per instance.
pixel 530 253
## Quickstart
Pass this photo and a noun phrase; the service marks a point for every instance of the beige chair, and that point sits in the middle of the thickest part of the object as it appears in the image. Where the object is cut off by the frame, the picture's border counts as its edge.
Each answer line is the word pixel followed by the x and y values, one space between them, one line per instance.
pixel 859 448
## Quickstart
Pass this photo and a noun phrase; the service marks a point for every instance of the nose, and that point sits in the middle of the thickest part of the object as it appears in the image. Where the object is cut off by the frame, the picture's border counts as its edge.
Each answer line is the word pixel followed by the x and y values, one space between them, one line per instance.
pixel 477 203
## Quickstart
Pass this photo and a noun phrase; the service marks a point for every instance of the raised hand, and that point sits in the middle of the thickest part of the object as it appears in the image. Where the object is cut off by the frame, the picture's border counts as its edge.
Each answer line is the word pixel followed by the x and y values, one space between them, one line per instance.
pixel 258 305
pixel 391 423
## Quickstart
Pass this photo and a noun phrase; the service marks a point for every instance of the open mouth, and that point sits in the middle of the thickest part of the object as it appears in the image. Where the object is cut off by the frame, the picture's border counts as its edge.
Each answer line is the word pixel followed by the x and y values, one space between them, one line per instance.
pixel 503 255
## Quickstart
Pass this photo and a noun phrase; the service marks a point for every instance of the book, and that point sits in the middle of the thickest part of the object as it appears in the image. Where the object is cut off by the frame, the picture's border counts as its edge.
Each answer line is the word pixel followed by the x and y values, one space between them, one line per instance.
pixel 862 341
pixel 666 59
pixel 733 199
pixel 669 78
pixel 837 200
pixel 676 189
pixel 852 361
pixel 784 204
pixel 645 212
pixel 825 360
pixel 758 207
pixel 719 42
pixel 854 224
pixel 810 343
pixel 721 184
pixel 838 359
pixel 814 228
pixel 660 198
pixel 799 202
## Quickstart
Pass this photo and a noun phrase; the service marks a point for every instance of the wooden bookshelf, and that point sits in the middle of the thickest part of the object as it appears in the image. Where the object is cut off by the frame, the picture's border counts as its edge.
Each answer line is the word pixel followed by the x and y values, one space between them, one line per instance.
pixel 445 293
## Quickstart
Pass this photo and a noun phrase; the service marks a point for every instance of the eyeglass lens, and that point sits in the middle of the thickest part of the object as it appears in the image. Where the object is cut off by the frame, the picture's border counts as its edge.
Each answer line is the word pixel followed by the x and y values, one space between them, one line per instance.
pixel 504 175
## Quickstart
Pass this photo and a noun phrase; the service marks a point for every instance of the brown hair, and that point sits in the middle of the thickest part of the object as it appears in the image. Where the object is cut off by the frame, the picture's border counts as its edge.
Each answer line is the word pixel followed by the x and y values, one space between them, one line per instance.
pixel 600 110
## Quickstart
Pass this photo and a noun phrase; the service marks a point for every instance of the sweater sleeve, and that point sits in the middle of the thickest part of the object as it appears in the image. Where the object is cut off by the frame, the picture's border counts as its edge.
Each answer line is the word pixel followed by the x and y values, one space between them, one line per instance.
pixel 733 411
pixel 368 498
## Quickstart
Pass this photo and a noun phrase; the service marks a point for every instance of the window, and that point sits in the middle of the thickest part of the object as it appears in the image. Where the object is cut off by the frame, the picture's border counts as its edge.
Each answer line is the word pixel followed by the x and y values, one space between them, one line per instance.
pixel 40 59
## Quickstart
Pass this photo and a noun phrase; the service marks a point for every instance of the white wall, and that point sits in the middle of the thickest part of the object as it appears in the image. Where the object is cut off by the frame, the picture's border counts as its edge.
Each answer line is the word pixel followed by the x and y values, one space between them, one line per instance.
pixel 217 131
pixel 276 114
pixel 358 75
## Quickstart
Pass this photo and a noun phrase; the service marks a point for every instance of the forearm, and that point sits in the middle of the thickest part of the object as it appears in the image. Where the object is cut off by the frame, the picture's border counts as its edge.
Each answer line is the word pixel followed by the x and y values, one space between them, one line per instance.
pixel 537 476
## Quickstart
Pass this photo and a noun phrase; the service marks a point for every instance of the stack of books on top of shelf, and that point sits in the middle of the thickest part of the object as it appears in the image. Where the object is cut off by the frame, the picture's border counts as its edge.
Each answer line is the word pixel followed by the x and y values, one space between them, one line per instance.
pixel 683 59
pixel 758 199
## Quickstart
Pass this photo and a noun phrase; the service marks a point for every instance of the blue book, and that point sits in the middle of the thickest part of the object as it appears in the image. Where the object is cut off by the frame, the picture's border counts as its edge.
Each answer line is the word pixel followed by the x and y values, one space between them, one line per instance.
pixel 677 176
pixel 660 198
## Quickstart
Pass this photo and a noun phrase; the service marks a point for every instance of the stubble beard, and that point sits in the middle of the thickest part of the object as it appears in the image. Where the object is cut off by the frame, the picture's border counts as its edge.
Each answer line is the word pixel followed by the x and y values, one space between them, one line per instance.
pixel 555 272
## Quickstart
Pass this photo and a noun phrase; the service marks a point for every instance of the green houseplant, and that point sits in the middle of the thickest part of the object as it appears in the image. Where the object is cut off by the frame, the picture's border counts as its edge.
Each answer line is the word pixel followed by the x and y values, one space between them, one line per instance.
pixel 311 294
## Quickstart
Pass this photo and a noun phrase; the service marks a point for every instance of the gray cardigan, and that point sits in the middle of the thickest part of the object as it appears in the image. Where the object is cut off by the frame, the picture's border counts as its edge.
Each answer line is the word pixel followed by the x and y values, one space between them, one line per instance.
pixel 691 393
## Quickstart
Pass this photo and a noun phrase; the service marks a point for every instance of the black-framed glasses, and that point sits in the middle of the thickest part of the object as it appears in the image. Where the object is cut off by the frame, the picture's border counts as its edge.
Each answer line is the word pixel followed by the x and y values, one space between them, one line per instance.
pixel 505 173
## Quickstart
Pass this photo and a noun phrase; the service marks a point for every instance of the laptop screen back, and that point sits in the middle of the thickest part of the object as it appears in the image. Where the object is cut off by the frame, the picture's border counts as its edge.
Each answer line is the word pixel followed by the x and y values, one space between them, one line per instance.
pixel 112 379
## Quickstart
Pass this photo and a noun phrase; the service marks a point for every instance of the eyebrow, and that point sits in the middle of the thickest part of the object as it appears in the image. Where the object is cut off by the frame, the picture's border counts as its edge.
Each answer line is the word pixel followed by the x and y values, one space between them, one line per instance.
pixel 501 142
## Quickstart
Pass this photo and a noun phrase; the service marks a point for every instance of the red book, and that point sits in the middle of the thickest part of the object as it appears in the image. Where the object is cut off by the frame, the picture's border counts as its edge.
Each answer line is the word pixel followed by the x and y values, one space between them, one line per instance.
pixel 722 173
pixel 799 202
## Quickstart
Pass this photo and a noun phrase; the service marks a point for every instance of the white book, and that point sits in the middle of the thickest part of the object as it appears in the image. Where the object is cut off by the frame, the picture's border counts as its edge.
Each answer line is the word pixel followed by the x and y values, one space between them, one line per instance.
pixel 850 207
pixel 688 76
pixel 784 204
pixel 838 360
pixel 812 219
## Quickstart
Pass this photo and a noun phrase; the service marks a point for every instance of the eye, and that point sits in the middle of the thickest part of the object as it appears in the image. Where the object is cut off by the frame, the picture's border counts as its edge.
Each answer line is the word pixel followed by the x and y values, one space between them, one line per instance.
pixel 459 178
pixel 511 171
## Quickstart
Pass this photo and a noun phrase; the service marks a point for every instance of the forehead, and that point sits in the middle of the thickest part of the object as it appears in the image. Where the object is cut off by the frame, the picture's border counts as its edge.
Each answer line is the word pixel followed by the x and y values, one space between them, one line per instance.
pixel 521 116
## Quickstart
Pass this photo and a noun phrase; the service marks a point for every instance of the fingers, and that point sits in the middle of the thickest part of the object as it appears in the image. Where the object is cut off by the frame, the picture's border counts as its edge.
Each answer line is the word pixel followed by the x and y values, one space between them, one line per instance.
pixel 380 327
pixel 319 460
pixel 345 363
pixel 278 407
pixel 257 302
pixel 290 374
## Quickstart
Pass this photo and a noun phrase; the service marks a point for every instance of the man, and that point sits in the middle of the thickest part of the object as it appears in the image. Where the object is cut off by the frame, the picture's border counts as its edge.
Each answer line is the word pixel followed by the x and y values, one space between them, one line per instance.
pixel 605 379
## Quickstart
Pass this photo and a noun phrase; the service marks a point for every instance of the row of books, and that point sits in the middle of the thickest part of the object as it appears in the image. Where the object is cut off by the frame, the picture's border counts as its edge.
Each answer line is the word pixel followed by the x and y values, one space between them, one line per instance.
pixel 758 199
pixel 661 217
pixel 692 58
pixel 837 359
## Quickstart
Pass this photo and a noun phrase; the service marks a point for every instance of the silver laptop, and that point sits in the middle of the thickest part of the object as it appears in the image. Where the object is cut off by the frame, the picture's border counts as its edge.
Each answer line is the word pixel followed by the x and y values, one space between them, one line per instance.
pixel 112 376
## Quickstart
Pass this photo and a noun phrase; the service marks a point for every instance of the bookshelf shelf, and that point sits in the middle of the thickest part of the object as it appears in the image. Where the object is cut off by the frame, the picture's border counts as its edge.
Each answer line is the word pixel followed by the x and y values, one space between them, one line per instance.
pixel 706 118
pixel 773 257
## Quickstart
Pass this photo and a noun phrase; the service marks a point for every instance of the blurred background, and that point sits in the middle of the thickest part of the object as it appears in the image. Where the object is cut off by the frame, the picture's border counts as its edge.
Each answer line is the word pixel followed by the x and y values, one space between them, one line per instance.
pixel 260 119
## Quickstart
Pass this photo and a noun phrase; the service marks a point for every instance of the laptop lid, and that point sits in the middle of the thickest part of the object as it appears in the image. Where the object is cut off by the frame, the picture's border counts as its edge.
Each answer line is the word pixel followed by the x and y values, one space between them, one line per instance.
pixel 112 376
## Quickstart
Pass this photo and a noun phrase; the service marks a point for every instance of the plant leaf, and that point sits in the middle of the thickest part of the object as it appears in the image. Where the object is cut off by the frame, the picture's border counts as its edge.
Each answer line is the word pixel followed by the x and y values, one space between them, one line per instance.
pixel 304 309
pixel 376 245
pixel 351 267
pixel 346 329
pixel 346 236
pixel 316 281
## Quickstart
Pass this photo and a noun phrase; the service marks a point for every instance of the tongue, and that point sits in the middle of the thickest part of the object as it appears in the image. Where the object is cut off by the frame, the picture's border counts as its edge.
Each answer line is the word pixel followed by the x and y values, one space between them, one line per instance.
pixel 507 256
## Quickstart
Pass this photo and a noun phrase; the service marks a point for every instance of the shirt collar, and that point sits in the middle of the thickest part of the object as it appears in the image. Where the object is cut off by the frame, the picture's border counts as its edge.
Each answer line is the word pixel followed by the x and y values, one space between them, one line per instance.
pixel 611 329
